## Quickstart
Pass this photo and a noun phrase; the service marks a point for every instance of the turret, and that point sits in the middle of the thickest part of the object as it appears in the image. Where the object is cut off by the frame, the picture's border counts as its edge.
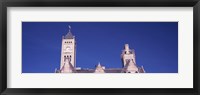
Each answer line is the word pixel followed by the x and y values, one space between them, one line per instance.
pixel 128 60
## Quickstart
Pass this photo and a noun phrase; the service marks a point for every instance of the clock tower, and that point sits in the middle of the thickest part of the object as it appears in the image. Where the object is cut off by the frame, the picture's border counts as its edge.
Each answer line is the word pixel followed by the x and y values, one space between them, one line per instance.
pixel 68 53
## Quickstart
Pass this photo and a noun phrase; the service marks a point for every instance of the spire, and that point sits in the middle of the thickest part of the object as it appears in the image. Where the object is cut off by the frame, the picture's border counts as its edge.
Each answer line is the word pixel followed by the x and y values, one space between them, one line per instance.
pixel 99 64
pixel 69 28
pixel 69 34
pixel 99 69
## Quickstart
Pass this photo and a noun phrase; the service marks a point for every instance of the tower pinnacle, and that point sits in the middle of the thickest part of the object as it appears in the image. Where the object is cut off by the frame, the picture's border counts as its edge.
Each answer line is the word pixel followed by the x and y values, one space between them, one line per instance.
pixel 69 28
pixel 69 34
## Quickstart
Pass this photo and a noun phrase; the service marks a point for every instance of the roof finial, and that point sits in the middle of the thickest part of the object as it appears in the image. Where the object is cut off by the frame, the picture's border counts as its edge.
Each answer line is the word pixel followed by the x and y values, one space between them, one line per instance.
pixel 69 28
pixel 99 64
pixel 69 34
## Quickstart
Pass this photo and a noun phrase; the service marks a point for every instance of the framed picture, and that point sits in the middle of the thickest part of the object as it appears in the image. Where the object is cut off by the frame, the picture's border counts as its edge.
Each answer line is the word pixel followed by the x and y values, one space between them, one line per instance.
pixel 94 47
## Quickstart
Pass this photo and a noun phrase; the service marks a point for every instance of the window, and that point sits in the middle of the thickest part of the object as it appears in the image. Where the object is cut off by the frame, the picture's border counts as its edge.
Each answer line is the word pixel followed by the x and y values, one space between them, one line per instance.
pixel 64 58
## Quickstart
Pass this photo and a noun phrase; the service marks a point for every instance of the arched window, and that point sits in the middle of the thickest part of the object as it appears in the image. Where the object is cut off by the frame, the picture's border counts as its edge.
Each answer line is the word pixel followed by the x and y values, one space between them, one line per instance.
pixel 65 58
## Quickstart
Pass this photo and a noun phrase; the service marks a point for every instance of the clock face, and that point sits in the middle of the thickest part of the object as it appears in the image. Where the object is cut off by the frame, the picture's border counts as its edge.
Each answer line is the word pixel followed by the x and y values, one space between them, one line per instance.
pixel 68 49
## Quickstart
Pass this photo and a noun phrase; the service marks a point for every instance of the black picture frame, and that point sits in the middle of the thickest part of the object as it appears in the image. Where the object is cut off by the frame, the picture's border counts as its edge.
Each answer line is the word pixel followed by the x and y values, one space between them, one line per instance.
pixel 100 3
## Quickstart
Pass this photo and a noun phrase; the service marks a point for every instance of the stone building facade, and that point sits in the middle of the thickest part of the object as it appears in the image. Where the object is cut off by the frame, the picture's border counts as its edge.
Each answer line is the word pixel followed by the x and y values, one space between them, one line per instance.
pixel 68 59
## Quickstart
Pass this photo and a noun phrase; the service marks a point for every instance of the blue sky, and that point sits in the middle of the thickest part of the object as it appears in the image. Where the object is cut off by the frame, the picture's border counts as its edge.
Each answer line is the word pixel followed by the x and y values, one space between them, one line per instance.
pixel 155 44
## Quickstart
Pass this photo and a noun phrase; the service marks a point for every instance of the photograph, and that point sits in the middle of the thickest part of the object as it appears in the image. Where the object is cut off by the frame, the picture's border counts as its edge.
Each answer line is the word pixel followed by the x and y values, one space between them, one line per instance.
pixel 99 47
pixel 129 47
pixel 89 47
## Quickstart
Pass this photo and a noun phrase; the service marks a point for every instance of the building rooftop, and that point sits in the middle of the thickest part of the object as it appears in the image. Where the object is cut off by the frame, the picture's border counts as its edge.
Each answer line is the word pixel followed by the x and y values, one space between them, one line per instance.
pixel 69 35
pixel 109 70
